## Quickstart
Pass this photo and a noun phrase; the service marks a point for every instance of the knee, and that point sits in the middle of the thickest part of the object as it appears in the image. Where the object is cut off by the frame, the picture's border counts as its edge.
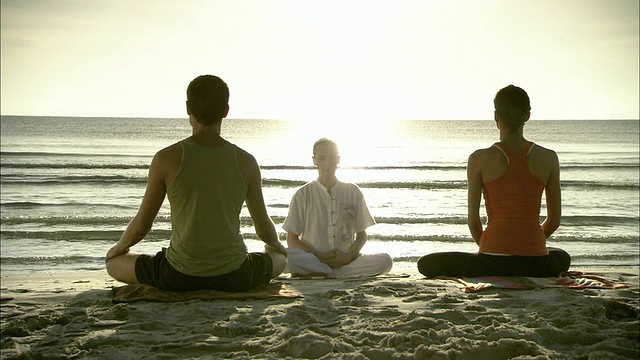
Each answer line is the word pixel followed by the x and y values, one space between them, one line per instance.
pixel 279 262
pixel 561 260
pixel 422 264
pixel 114 269
pixel 566 259
pixel 122 268
pixel 387 263
pixel 110 265
pixel 378 263
pixel 424 267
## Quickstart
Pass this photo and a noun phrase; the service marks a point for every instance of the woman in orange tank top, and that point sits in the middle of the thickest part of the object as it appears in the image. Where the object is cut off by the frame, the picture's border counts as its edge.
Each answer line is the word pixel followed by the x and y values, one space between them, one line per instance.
pixel 511 174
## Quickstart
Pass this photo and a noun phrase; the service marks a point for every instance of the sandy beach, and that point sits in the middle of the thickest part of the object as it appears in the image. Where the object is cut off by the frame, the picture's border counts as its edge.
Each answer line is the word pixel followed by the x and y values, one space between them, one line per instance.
pixel 400 316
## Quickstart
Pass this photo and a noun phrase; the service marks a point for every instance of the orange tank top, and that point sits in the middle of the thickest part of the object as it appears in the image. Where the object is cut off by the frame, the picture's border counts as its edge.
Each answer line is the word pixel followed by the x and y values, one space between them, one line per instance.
pixel 513 209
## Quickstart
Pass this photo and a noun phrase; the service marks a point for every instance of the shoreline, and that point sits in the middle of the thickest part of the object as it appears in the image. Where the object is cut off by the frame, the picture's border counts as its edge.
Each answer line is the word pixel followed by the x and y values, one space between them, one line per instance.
pixel 401 316
pixel 408 267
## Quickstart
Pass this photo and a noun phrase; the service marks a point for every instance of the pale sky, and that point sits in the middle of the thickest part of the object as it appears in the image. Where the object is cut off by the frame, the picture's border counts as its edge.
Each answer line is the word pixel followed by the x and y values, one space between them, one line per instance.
pixel 343 60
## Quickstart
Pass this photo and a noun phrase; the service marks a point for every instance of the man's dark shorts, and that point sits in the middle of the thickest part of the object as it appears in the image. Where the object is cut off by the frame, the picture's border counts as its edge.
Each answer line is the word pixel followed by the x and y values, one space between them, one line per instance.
pixel 156 271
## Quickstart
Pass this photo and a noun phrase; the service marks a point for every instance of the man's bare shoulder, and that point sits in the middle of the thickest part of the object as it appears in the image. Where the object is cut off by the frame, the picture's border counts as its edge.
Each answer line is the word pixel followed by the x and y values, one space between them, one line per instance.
pixel 245 158
pixel 171 148
pixel 248 165
pixel 169 152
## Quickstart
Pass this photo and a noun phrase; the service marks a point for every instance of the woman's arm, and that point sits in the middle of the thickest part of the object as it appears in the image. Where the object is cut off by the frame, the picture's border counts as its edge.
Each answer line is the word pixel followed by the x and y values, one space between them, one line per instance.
pixel 553 197
pixel 474 193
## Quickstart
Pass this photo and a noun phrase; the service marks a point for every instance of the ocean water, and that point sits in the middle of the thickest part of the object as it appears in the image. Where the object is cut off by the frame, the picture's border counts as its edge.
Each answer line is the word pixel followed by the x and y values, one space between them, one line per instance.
pixel 70 185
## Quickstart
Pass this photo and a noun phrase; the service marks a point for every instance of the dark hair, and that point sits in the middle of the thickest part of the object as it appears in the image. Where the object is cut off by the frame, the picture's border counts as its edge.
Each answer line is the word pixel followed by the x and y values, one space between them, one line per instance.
pixel 512 105
pixel 327 142
pixel 208 99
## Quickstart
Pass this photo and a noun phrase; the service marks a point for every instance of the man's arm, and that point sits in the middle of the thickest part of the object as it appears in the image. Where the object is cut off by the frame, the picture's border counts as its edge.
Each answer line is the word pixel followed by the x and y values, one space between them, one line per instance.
pixel 553 197
pixel 257 208
pixel 153 198
pixel 354 251
pixel 293 240
pixel 293 224
pixel 341 258
pixel 474 192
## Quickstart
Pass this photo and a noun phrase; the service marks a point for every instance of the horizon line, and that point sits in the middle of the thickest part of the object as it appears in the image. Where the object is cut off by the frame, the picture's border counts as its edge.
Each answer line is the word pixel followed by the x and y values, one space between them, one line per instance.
pixel 280 119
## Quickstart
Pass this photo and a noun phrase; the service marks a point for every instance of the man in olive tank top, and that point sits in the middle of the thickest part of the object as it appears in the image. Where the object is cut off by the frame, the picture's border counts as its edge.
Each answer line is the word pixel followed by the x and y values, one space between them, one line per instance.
pixel 207 180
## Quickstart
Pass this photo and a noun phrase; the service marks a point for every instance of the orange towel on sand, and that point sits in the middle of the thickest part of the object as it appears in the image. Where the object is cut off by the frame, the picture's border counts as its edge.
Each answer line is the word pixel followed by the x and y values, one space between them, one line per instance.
pixel 569 280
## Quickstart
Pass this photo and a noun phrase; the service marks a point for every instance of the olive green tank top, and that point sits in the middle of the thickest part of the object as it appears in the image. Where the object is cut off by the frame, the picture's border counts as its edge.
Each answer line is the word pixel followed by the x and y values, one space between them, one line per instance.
pixel 206 198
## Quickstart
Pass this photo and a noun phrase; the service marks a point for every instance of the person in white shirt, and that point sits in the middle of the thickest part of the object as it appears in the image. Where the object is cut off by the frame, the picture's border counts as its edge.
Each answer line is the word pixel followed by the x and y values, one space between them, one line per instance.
pixel 326 224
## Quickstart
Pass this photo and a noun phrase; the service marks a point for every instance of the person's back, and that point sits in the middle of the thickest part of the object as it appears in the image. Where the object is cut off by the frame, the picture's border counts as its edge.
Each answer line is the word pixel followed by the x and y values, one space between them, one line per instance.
pixel 206 198
pixel 511 174
pixel 206 180
pixel 512 194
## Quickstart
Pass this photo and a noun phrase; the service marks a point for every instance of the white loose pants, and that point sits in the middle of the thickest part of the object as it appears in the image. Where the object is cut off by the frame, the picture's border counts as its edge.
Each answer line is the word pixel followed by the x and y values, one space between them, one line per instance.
pixel 304 263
